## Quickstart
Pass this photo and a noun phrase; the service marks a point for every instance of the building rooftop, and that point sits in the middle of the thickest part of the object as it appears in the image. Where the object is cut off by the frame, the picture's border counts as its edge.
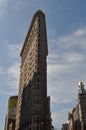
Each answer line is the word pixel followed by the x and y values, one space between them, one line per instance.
pixel 39 12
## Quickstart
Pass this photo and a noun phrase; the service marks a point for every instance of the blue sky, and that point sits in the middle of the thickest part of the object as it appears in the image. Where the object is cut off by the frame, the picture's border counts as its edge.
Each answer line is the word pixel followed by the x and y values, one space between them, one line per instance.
pixel 66 31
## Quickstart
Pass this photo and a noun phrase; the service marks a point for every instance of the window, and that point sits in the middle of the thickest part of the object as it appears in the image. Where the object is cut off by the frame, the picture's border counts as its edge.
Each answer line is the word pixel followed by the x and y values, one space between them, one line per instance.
pixel 37 112
pixel 38 73
pixel 39 35
pixel 38 101
pixel 39 20
pixel 38 40
pixel 39 61
pixel 37 128
pixel 33 128
pixel 38 87
pixel 38 79
pixel 38 94
pixel 30 121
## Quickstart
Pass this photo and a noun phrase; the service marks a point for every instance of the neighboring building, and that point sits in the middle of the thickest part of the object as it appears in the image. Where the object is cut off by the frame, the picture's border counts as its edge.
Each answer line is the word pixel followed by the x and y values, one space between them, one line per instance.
pixel 71 121
pixel 82 105
pixel 65 126
pixel 33 107
pixel 73 117
pixel 77 118
pixel 11 113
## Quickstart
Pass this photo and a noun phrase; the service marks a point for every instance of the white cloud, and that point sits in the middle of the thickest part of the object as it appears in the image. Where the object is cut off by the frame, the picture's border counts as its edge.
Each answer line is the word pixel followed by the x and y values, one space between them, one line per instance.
pixel 71 43
pixel 80 32
pixel 10 72
pixel 6 93
pixel 14 69
pixel 66 66
pixel 14 51
pixel 75 39
pixel 13 76
pixel 60 117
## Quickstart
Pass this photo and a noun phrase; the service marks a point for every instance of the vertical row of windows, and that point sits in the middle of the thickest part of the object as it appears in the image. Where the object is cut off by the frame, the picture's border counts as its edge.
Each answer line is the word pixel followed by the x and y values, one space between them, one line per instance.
pixel 38 100
pixel 35 123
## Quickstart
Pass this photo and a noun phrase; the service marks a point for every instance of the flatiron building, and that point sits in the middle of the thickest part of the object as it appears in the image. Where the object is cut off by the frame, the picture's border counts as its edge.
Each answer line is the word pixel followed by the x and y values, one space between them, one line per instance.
pixel 33 106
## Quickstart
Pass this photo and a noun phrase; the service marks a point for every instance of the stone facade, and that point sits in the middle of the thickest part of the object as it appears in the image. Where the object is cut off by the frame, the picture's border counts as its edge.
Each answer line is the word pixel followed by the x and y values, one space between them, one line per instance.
pixel 33 107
